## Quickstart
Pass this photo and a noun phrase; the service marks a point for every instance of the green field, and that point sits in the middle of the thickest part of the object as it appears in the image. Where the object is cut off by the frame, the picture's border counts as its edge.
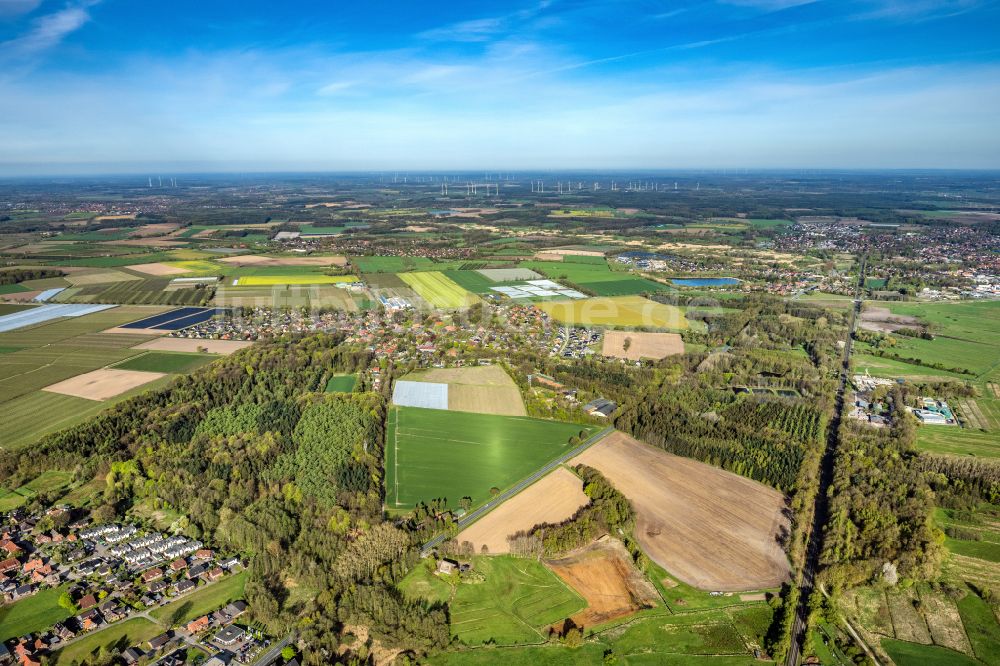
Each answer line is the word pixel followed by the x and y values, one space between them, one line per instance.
pixel 439 290
pixel 626 311
pixel 169 362
pixel 202 601
pixel 33 614
pixel 120 636
pixel 12 288
pixel 341 383
pixel 516 602
pixel 392 264
pixel 981 627
pixel 47 482
pixel 473 281
pixel 30 417
pixel 887 367
pixel 958 441
pixel 594 275
pixel 914 654
pixel 443 454
pixel 58 350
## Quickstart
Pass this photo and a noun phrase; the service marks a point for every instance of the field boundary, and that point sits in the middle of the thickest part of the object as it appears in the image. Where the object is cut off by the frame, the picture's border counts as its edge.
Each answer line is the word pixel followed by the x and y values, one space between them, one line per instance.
pixel 505 495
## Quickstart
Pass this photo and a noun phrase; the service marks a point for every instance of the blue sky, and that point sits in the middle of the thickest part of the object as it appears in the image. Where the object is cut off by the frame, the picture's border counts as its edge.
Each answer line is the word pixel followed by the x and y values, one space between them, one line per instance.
pixel 130 85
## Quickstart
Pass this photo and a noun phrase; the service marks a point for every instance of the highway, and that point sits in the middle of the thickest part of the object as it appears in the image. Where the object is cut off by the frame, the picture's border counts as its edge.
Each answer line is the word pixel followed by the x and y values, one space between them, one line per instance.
pixel 481 511
pixel 815 545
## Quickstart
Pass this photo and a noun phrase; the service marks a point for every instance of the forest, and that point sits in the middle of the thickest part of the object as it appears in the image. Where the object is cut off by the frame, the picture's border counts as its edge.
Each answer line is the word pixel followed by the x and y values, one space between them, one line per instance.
pixel 245 450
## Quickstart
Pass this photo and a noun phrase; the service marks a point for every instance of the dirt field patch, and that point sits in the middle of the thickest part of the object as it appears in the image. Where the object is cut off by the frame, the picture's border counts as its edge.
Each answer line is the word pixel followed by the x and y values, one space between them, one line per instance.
pixel 881 320
pixel 417 229
pixel 907 623
pixel 261 260
pixel 641 345
pixel 100 277
pixel 158 269
pixel 603 574
pixel 224 347
pixel 708 527
pixel 156 229
pixel 552 499
pixel 944 621
pixel 103 384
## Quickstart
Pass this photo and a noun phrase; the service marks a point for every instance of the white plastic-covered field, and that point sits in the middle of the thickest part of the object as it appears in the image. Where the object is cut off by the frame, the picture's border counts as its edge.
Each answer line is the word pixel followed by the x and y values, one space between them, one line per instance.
pixel 538 289
pixel 420 394
pixel 46 313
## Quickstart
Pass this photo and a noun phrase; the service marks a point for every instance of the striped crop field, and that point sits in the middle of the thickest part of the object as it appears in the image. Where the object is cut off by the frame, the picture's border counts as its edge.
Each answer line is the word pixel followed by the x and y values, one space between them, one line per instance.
pixel 439 290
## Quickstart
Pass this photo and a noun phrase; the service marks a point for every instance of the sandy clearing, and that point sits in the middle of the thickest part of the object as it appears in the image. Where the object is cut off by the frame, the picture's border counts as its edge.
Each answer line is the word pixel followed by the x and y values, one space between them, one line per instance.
pixel 552 499
pixel 158 269
pixel 881 320
pixel 710 528
pixel 603 574
pixel 224 347
pixel 261 260
pixel 417 229
pixel 103 384
pixel 641 345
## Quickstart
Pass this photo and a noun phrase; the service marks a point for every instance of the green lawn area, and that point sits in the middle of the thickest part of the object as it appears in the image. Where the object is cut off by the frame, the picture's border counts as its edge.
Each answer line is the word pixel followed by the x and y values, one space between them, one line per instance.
pixel 35 613
pixel 46 482
pixel 341 383
pixel 983 550
pixel 202 601
pixel 12 288
pixel 170 362
pixel 981 627
pixel 958 441
pixel 437 453
pixel 914 654
pixel 519 598
pixel 120 635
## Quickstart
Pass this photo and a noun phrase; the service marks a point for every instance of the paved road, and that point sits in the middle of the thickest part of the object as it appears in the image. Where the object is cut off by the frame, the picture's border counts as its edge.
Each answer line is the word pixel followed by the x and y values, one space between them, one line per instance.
pixel 815 545
pixel 476 514
pixel 272 652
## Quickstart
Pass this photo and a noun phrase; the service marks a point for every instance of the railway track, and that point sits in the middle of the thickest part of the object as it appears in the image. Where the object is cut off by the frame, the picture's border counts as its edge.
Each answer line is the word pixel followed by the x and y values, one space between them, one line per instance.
pixel 807 582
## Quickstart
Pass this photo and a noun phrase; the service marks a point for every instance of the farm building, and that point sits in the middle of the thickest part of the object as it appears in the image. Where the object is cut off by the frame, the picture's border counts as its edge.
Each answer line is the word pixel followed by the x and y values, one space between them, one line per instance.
pixel 601 407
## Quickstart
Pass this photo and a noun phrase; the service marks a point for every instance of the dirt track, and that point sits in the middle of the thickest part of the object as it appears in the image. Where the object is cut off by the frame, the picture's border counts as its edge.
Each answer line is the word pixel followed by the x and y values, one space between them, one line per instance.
pixel 709 528
pixel 553 499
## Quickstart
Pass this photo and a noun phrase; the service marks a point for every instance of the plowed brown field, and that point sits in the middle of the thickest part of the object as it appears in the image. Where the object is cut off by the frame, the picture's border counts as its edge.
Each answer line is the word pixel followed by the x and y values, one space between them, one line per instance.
pixel 708 527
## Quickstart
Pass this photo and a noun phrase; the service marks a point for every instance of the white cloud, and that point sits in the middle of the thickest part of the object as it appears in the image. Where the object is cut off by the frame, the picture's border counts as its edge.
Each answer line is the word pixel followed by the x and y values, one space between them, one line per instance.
pixel 48 30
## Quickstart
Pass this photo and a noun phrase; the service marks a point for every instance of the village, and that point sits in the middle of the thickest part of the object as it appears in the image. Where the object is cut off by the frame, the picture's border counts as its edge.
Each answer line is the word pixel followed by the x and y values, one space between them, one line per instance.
pixel 98 576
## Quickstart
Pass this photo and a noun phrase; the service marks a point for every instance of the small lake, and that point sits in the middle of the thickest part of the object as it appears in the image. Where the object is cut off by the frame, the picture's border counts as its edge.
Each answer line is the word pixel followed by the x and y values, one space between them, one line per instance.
pixel 704 282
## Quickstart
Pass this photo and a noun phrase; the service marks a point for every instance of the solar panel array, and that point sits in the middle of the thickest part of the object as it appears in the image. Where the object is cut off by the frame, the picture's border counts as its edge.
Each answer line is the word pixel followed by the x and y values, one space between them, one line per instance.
pixel 175 320
pixel 428 395
pixel 39 315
